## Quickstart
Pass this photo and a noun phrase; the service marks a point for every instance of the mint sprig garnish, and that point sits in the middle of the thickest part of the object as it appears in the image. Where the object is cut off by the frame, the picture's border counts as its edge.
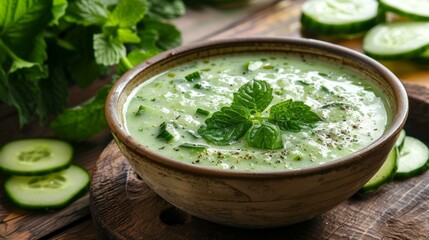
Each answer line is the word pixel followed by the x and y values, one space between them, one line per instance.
pixel 244 117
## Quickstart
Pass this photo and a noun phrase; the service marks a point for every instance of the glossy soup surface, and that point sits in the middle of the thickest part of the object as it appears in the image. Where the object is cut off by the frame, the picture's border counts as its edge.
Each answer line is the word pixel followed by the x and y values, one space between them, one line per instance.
pixel 353 115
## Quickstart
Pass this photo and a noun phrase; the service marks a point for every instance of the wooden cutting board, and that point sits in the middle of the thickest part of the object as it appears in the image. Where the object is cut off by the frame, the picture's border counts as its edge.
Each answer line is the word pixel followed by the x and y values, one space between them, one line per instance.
pixel 124 207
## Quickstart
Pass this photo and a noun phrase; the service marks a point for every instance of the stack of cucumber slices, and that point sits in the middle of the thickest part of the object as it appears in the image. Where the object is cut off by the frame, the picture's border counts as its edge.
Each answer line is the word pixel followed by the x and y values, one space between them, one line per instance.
pixel 41 175
pixel 408 38
pixel 409 157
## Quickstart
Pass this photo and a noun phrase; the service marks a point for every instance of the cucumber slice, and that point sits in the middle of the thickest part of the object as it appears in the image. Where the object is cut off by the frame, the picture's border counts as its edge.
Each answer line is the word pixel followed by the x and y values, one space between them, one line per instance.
pixel 338 17
pixel 414 9
pixel 166 131
pixel 384 174
pixel 35 156
pixel 401 138
pixel 397 40
pixel 413 158
pixel 52 191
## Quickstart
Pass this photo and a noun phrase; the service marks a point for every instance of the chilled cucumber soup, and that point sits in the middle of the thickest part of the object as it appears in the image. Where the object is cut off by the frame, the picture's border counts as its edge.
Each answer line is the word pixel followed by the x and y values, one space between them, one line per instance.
pixel 351 111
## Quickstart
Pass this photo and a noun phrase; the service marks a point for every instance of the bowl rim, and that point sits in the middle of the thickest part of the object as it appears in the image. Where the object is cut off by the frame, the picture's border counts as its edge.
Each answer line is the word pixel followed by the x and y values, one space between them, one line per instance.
pixel 120 134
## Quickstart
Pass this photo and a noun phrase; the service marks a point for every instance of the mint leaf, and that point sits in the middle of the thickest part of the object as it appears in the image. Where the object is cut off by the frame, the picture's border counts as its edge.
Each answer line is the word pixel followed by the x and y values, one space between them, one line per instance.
pixel 20 87
pixel 21 21
pixel 255 95
pixel 87 12
pixel 36 57
pixel 128 36
pixel 82 122
pixel 108 50
pixel 22 93
pixel 149 39
pixel 53 93
pixel 166 9
pixel 58 10
pixel 17 62
pixel 157 35
pixel 79 62
pixel 127 13
pixel 293 115
pixel 108 3
pixel 38 53
pixel 265 136
pixel 138 56
pixel 226 126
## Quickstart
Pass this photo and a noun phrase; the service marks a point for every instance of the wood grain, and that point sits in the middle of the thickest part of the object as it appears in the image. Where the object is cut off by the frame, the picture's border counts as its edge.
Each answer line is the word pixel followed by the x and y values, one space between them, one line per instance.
pixel 124 207
pixel 82 230
pixel 204 21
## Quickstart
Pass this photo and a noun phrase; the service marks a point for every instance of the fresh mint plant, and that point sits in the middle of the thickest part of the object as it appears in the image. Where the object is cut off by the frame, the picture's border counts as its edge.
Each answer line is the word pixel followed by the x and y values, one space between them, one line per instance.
pixel 245 117
pixel 48 45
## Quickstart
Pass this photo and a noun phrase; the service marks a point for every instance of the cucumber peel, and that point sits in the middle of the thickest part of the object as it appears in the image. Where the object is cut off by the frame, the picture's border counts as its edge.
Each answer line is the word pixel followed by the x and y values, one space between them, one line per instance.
pixel 384 174
pixel 425 55
pixel 413 9
pixel 401 139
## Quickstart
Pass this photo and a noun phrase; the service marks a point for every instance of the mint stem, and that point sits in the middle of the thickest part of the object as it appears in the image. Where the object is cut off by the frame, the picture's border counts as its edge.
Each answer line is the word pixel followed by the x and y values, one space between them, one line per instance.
pixel 125 62
pixel 8 51
pixel 259 119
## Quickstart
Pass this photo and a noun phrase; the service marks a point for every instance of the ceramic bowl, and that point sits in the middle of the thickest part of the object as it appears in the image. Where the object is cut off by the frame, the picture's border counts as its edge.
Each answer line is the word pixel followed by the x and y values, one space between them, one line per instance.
pixel 257 199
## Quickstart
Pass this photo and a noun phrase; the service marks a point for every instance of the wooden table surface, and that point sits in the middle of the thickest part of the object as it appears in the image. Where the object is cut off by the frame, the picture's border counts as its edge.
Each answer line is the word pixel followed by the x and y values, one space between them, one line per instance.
pixel 256 18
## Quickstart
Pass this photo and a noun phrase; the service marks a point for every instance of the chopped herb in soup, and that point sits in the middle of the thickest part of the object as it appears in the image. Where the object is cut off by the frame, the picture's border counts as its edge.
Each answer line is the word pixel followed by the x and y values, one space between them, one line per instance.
pixel 258 112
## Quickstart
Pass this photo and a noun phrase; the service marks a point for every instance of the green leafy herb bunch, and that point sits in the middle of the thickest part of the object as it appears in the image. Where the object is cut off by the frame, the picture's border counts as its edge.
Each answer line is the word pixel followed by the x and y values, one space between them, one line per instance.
pixel 48 45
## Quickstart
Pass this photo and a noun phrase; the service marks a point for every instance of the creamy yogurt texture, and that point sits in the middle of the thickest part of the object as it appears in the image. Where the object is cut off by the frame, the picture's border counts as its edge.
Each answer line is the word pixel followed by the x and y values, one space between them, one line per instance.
pixel 353 115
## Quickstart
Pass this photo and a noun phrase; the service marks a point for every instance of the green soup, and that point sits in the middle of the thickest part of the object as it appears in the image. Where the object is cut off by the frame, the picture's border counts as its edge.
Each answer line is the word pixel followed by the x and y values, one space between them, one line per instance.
pixel 351 111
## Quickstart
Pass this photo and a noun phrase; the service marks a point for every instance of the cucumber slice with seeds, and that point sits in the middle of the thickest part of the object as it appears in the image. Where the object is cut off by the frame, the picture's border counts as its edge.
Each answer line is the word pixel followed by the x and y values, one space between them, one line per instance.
pixel 413 158
pixel 414 9
pixel 35 156
pixel 338 17
pixel 384 174
pixel 52 191
pixel 397 40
